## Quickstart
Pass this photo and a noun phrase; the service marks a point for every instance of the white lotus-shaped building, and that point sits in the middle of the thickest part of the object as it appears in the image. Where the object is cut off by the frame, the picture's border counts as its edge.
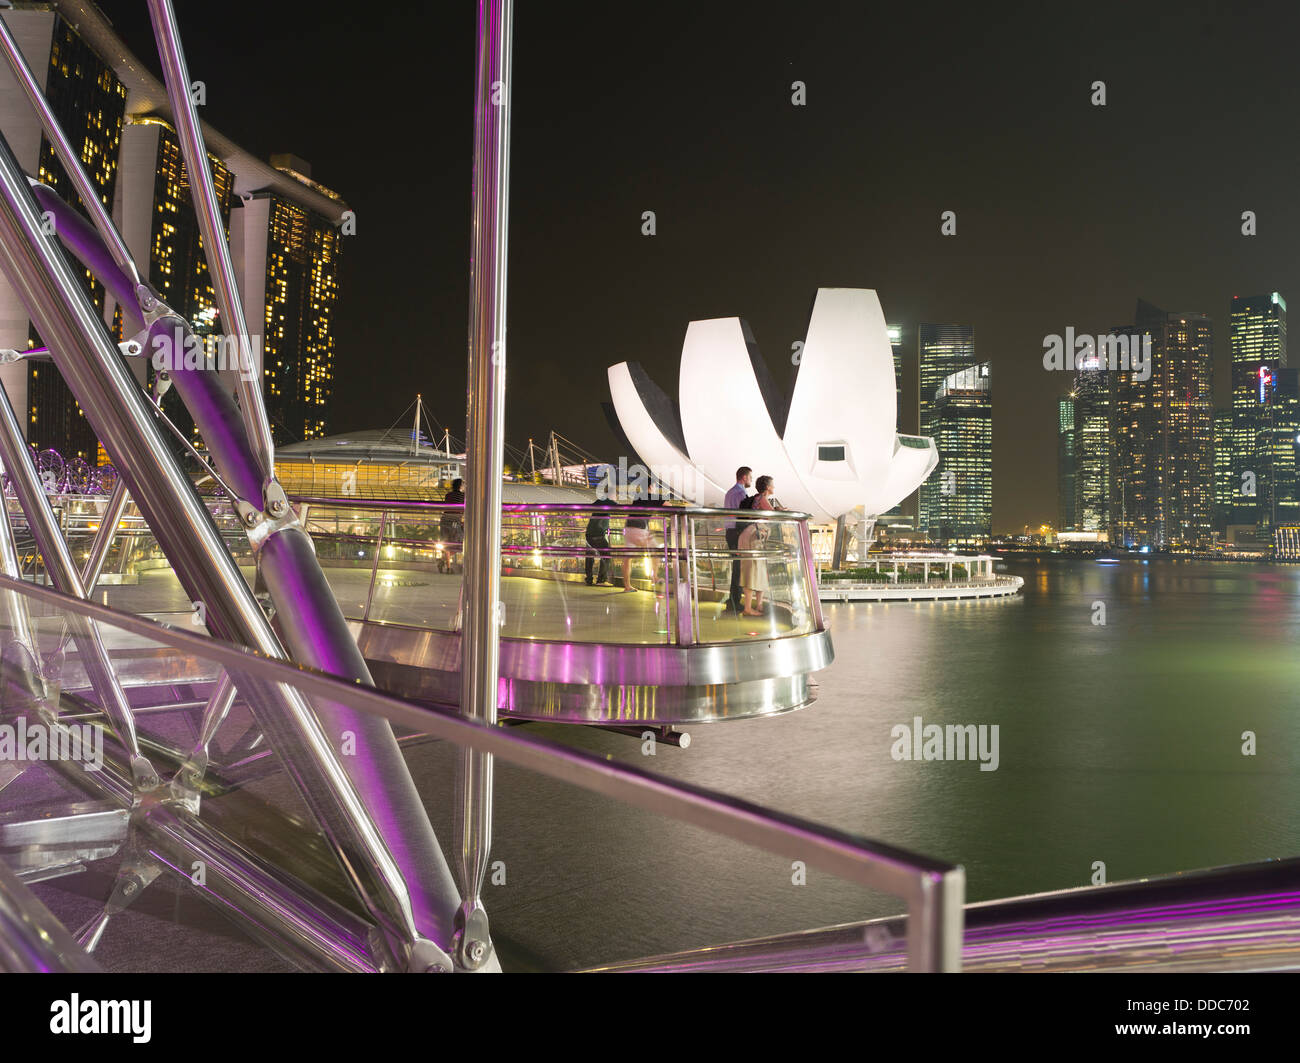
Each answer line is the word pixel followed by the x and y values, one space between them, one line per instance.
pixel 832 447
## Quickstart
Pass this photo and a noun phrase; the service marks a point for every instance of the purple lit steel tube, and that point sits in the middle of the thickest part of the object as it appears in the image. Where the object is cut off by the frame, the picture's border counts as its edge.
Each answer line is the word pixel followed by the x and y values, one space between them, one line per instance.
pixel 80 237
pixel 317 635
pixel 121 416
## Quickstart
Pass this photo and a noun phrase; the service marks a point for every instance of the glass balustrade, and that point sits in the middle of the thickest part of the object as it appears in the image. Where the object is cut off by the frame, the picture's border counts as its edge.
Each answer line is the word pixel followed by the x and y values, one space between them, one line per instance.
pixel 619 575
pixel 226 867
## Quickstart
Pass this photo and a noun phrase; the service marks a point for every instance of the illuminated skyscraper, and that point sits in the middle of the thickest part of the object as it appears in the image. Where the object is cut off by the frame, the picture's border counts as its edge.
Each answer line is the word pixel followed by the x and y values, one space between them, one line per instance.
pixel 282 227
pixel 901 520
pixel 896 342
pixel 89 101
pixel 1066 469
pixel 1092 446
pixel 155 214
pixel 290 283
pixel 1164 427
pixel 1279 439
pixel 942 350
pixel 1224 487
pixel 958 496
pixel 1257 337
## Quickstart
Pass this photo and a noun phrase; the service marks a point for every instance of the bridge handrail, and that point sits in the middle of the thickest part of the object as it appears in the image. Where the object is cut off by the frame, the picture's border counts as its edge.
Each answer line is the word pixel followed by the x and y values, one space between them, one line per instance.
pixel 934 890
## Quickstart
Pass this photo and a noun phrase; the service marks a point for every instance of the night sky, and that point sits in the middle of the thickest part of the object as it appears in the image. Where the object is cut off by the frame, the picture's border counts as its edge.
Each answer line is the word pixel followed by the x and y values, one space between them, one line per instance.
pixel 1066 212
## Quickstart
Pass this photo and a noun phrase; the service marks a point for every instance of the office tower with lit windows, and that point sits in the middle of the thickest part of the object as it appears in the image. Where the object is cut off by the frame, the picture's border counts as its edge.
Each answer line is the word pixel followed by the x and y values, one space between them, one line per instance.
pixel 958 496
pixel 89 101
pixel 1163 429
pixel 1224 488
pixel 896 343
pixel 155 215
pixel 1278 496
pixel 1257 341
pixel 899 521
pixel 290 284
pixel 283 229
pixel 942 350
pixel 1092 446
pixel 1066 469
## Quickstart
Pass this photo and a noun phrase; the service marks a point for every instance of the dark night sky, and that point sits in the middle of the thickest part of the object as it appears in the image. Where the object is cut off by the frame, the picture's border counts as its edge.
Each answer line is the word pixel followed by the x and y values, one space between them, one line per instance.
pixel 1066 212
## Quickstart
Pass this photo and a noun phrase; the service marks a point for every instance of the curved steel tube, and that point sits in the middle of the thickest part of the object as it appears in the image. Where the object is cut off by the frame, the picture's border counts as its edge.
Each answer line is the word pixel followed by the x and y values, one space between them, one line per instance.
pixel 93 369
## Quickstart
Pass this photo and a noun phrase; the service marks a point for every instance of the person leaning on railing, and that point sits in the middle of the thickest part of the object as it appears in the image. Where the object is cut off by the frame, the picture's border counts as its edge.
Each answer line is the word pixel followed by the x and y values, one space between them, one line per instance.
pixel 735 499
pixel 753 537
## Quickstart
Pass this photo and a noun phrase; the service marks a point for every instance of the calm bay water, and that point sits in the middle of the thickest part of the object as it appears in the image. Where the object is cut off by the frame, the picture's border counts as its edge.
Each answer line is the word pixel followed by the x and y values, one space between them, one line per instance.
pixel 1119 743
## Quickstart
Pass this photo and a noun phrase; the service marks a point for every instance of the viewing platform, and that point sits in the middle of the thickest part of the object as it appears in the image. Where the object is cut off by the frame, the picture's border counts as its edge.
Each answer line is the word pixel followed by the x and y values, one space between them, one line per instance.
pixel 570 652
pixel 919 577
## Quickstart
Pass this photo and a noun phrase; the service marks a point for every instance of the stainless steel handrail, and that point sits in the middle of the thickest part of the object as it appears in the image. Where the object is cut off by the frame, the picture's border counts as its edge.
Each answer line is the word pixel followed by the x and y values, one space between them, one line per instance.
pixel 934 891
pixel 681 551
pixel 599 509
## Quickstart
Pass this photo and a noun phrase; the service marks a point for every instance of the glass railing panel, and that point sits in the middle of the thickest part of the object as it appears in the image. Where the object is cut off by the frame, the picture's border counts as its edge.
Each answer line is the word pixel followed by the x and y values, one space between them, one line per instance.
pixel 65 831
pixel 771 568
pixel 545 561
pixel 403 565
pixel 421 566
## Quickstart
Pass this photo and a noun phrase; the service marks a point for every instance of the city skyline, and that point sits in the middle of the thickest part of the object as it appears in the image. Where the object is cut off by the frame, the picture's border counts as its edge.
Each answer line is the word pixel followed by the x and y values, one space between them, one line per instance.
pixel 283 229
pixel 1063 215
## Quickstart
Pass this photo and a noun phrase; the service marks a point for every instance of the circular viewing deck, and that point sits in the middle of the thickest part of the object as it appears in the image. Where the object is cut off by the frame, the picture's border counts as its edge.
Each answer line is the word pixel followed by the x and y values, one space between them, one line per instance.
pixel 664 652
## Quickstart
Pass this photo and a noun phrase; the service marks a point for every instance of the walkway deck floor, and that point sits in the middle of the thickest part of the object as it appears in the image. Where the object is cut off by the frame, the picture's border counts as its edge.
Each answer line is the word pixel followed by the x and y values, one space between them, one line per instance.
pixel 534 608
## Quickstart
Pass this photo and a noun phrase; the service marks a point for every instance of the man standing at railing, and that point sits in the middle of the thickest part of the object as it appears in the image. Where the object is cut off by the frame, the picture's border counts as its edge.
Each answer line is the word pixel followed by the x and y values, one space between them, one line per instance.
pixel 453 525
pixel 597 537
pixel 738 493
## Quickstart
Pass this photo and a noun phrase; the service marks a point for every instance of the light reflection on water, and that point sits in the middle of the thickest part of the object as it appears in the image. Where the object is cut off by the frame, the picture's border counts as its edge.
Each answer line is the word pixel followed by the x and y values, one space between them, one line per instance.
pixel 1119 743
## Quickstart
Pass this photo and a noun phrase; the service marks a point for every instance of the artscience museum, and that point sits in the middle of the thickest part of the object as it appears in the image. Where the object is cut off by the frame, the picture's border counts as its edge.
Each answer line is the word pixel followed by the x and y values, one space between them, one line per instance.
pixel 833 445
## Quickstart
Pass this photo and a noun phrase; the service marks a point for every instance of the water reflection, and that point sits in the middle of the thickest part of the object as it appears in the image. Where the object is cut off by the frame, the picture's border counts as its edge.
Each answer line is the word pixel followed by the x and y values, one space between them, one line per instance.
pixel 1121 742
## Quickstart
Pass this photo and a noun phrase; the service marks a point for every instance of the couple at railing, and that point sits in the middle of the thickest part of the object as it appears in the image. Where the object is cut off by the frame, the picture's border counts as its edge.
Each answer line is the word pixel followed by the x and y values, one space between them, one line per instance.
pixel 750 573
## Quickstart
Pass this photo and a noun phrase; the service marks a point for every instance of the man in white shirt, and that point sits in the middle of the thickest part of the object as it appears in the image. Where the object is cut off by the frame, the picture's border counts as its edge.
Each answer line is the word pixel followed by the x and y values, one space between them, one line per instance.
pixel 738 493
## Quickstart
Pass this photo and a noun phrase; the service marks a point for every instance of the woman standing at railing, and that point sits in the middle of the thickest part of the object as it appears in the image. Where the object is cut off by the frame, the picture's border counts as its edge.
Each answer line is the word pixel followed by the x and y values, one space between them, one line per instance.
pixel 753 570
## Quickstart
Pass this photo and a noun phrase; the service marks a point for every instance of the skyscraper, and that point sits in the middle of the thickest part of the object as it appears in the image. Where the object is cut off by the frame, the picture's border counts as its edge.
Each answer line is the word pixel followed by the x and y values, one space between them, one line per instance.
pixel 155 214
pixel 290 285
pixel 1066 469
pixel 959 494
pixel 89 101
pixel 282 227
pixel 896 342
pixel 1224 487
pixel 942 350
pixel 1278 441
pixel 899 521
pixel 1257 338
pixel 1092 446
pixel 1163 426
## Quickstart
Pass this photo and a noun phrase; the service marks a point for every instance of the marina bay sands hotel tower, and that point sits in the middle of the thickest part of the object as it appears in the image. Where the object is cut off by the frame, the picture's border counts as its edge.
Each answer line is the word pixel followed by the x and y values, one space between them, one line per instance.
pixel 285 230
